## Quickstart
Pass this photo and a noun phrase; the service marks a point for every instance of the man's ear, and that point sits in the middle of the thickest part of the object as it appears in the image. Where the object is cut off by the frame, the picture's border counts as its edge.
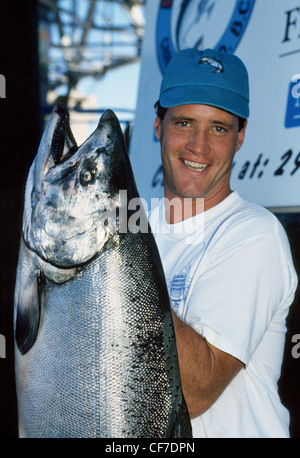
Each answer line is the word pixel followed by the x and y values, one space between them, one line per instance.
pixel 157 128
pixel 241 137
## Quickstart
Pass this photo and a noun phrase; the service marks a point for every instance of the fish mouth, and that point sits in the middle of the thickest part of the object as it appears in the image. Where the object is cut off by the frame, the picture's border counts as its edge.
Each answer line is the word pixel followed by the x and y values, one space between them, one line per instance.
pixel 63 144
pixel 198 167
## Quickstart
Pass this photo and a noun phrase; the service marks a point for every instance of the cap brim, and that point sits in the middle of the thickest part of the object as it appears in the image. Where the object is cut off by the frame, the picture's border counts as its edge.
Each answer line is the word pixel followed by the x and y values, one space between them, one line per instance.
pixel 206 95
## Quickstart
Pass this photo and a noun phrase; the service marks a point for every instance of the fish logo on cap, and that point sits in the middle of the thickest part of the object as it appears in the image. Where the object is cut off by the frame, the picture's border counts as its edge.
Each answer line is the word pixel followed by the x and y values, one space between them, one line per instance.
pixel 216 63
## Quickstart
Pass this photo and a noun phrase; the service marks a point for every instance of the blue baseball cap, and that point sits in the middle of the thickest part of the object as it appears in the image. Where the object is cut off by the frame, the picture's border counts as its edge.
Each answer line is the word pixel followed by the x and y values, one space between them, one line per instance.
pixel 207 77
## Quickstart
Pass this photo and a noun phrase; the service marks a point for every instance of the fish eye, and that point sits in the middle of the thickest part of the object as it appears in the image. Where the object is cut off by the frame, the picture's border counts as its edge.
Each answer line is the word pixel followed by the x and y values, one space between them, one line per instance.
pixel 87 176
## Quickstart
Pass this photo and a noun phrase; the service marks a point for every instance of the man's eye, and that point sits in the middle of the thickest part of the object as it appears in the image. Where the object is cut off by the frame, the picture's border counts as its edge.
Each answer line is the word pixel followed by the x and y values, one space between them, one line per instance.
pixel 219 129
pixel 184 123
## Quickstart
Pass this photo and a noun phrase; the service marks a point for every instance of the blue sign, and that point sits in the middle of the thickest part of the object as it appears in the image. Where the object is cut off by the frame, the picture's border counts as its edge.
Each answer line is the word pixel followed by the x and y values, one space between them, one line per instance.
pixel 228 41
pixel 292 118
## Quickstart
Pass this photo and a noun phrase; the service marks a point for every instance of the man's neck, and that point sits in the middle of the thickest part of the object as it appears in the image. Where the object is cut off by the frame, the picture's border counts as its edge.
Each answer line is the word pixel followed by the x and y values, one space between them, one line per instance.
pixel 181 208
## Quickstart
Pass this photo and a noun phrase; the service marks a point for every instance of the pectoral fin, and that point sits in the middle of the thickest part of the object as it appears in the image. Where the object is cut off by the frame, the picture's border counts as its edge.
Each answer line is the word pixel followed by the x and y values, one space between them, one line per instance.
pixel 27 300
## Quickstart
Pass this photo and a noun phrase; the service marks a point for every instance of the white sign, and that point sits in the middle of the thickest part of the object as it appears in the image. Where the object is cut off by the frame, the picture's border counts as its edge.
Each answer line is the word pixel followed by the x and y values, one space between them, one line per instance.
pixel 265 34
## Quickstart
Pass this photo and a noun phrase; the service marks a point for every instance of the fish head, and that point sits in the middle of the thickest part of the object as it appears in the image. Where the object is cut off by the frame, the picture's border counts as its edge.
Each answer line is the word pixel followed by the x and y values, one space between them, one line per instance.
pixel 72 196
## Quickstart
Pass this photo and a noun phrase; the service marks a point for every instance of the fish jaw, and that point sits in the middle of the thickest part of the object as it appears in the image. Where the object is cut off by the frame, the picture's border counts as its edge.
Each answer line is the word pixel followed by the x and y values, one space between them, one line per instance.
pixel 57 139
pixel 72 197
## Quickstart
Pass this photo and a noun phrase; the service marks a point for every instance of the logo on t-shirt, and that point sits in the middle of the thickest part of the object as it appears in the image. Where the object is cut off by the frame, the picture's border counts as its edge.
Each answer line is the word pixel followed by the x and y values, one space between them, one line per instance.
pixel 178 286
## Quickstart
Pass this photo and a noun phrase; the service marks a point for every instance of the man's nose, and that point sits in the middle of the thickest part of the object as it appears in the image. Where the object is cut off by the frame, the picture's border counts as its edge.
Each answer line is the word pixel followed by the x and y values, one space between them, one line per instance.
pixel 197 142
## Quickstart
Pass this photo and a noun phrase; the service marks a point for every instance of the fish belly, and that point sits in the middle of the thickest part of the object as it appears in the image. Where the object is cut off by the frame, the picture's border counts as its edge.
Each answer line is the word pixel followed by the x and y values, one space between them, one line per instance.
pixel 105 362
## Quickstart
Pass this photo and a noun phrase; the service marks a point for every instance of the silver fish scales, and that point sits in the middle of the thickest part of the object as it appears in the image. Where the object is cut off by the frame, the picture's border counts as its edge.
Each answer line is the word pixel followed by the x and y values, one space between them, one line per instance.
pixel 95 345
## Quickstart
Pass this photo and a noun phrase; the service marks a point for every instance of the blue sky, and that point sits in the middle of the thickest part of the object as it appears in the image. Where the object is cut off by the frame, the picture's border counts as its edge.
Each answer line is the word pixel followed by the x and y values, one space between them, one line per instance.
pixel 117 89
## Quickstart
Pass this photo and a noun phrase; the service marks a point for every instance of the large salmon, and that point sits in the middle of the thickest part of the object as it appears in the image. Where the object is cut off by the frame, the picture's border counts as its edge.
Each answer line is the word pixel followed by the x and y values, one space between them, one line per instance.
pixel 95 346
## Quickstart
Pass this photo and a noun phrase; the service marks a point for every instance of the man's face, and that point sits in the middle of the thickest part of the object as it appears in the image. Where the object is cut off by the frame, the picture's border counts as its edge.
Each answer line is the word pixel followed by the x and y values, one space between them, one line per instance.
pixel 198 143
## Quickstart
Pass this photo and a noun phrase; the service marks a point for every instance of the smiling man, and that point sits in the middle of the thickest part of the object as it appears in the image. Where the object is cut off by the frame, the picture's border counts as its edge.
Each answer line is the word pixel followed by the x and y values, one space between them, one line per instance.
pixel 231 282
pixel 198 144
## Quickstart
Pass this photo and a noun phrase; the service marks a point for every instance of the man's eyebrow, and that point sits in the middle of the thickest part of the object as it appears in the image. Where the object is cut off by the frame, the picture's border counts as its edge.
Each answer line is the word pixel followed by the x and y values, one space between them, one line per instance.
pixel 228 125
pixel 175 118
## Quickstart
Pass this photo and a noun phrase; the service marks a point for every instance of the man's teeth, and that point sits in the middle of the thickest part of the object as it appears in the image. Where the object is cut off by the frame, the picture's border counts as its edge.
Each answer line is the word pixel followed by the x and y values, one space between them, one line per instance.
pixel 195 165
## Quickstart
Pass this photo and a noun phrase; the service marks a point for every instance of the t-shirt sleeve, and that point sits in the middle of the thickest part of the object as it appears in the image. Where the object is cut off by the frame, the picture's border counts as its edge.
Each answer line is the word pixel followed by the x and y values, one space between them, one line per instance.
pixel 238 291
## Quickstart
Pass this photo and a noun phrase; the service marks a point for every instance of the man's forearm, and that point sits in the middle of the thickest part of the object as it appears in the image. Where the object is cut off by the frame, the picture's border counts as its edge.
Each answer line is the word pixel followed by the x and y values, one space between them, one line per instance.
pixel 205 370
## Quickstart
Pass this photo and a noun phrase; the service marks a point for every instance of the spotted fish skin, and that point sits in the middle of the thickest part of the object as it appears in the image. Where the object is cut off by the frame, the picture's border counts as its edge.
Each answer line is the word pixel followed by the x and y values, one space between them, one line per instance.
pixel 95 350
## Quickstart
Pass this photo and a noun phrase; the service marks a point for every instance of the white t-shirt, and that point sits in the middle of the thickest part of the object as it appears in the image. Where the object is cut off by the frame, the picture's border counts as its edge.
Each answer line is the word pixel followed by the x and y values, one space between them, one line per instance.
pixel 231 277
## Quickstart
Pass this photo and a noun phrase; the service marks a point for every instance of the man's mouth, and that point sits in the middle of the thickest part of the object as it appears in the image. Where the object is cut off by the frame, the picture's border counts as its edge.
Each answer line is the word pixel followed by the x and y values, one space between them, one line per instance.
pixel 195 165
